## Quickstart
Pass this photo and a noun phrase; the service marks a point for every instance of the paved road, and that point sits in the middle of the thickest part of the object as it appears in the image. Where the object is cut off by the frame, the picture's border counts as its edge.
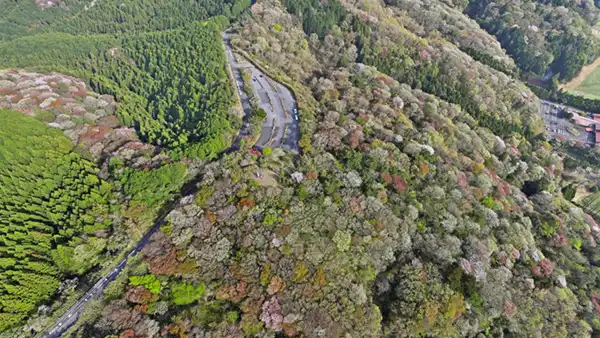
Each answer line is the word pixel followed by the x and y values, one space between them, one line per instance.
pixel 286 135
pixel 280 128
pixel 71 316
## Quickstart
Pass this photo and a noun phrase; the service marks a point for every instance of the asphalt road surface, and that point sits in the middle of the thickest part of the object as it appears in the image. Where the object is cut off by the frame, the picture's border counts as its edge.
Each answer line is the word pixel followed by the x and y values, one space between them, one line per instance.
pixel 71 316
pixel 280 129
pixel 280 106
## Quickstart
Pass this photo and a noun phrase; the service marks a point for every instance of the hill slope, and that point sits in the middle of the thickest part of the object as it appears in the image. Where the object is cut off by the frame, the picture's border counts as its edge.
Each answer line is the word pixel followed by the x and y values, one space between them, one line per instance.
pixel 52 205
pixel 426 202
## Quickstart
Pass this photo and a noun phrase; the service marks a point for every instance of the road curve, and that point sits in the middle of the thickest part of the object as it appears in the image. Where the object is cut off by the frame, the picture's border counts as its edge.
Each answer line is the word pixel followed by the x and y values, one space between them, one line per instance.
pixel 283 123
pixel 280 129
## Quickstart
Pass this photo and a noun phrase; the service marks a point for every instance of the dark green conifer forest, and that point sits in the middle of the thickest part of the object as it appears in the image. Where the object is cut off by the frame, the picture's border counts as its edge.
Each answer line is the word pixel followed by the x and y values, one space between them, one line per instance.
pixel 161 59
pixel 53 214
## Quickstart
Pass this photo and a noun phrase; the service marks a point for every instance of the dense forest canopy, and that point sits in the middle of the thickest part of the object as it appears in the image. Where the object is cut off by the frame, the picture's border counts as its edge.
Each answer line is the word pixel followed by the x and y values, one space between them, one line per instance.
pixel 426 201
pixel 82 17
pixel 53 212
pixel 173 87
pixel 165 66
pixel 542 36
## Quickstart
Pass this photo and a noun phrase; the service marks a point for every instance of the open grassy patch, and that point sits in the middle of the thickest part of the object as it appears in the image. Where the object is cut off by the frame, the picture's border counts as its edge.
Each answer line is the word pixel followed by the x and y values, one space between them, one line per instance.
pixel 590 86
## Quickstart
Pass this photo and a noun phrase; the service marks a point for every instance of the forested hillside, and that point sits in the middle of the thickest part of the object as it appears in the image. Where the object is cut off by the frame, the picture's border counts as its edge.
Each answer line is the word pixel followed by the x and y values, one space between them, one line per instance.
pixel 173 88
pixel 164 65
pixel 53 214
pixel 163 62
pixel 385 39
pixel 84 17
pixel 436 17
pixel 426 202
pixel 64 217
pixel 560 36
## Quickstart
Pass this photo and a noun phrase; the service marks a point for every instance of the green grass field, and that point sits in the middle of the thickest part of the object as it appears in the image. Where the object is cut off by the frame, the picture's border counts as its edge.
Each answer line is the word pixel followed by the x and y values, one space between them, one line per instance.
pixel 590 87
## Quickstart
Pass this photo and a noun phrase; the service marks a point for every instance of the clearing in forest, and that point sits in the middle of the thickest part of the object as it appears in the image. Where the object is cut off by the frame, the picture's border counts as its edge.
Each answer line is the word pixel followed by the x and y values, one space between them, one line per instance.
pixel 587 82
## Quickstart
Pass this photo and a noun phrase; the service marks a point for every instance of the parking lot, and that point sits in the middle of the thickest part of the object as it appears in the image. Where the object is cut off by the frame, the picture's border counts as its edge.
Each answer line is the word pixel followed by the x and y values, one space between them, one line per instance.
pixel 280 129
pixel 560 127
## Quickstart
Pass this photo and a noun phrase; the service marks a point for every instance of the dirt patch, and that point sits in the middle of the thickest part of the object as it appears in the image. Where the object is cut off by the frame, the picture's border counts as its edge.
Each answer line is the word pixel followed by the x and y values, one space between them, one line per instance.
pixel 114 52
pixel 585 72
pixel 268 179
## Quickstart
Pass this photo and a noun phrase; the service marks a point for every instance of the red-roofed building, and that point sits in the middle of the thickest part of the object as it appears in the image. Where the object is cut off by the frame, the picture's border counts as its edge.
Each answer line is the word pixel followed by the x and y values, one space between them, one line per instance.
pixel 589 129
pixel 584 121
pixel 597 136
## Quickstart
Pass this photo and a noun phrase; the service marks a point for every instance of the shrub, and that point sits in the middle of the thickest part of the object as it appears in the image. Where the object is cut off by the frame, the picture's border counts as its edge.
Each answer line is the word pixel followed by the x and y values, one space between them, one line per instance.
pixel 259 114
pixel 488 202
pixel 203 194
pixel 148 281
pixel 232 316
pixel 184 293
pixel 44 116
pixel 342 240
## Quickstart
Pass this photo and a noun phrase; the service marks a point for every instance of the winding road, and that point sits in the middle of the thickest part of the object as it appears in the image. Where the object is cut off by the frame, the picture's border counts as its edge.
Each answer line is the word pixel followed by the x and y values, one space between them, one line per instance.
pixel 279 130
